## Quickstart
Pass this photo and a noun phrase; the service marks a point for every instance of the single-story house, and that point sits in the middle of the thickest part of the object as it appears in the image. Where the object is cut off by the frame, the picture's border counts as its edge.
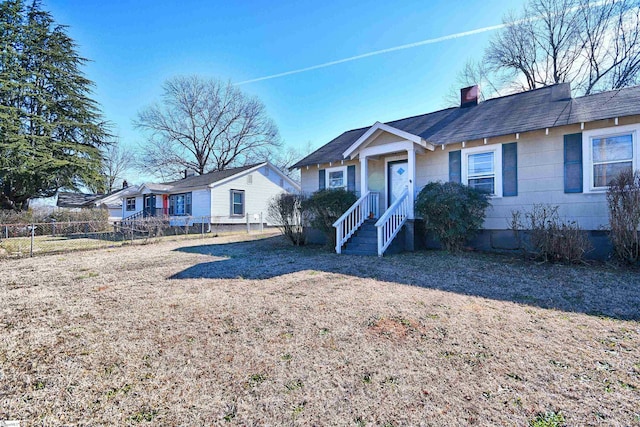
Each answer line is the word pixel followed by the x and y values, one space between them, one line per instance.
pixel 221 197
pixel 540 146
pixel 75 201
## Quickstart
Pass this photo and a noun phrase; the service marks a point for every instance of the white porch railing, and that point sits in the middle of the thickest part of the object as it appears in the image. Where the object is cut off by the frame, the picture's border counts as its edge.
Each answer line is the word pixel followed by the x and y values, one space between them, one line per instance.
pixel 353 218
pixel 392 221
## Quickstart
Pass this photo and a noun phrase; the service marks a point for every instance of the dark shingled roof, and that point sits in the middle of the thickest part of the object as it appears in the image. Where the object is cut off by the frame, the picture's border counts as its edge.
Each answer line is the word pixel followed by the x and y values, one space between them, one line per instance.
pixel 67 199
pixel 536 109
pixel 207 178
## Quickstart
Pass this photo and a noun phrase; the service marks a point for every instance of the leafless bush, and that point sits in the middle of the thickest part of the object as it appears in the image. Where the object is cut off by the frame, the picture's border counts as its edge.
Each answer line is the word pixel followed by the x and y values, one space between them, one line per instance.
pixel 623 199
pixel 550 238
pixel 153 226
pixel 286 211
pixel 39 215
pixel 93 215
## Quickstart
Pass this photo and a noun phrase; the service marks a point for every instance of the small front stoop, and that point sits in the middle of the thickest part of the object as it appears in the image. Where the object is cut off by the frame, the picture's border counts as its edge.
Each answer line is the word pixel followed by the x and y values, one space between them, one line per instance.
pixel 364 241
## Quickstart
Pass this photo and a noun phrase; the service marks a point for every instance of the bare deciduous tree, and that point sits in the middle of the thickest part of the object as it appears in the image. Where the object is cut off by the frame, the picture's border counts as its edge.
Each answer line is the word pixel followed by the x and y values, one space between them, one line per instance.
pixel 595 46
pixel 116 162
pixel 474 73
pixel 286 157
pixel 204 125
pixel 611 43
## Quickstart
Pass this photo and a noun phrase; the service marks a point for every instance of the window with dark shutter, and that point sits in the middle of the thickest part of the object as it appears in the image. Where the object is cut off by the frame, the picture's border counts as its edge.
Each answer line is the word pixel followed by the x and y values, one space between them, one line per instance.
pixel 509 169
pixel 180 204
pixel 321 179
pixel 351 178
pixel 573 163
pixel 455 166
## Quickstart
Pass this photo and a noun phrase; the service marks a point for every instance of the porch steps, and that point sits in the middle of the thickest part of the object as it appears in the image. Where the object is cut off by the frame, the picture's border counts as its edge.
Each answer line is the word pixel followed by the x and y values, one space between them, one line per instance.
pixel 364 241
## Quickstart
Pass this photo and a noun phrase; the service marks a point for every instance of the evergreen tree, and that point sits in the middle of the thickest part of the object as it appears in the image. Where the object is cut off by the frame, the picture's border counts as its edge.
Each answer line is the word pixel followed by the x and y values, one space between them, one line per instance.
pixel 50 130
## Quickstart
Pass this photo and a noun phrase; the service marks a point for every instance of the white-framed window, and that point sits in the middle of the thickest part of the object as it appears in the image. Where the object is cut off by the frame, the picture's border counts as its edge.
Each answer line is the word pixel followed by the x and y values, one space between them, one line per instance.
pixel 237 202
pixel 336 177
pixel 482 168
pixel 606 153
pixel 131 204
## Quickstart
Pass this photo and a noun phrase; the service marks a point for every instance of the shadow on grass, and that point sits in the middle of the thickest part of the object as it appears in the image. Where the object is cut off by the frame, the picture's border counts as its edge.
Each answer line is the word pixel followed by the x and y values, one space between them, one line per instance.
pixel 594 290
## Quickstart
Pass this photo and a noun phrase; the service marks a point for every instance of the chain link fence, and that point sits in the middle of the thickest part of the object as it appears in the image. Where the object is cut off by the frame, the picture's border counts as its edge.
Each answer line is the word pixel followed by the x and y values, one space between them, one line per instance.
pixel 24 240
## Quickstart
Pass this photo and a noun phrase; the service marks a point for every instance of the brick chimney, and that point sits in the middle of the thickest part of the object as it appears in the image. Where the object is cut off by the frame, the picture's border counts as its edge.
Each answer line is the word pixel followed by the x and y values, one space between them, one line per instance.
pixel 469 96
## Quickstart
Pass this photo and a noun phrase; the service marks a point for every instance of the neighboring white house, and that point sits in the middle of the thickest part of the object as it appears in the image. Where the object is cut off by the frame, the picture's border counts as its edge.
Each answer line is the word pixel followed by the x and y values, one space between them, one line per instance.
pixel 541 146
pixel 76 201
pixel 220 197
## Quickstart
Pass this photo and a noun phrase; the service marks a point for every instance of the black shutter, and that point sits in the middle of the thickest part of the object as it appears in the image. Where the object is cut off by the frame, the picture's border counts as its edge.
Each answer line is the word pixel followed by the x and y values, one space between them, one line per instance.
pixel 573 163
pixel 351 178
pixel 510 169
pixel 321 179
pixel 455 166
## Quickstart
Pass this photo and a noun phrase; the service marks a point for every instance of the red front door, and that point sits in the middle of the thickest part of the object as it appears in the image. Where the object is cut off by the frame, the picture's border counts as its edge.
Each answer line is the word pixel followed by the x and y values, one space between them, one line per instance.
pixel 165 204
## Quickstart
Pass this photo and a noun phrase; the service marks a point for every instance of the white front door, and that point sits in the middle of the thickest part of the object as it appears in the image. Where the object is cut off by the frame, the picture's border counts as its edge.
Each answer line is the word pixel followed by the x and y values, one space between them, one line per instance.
pixel 398 180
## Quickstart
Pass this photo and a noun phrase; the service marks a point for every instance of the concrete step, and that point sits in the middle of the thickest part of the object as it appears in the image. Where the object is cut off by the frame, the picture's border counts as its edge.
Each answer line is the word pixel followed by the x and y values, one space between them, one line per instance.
pixel 371 240
pixel 362 247
pixel 361 252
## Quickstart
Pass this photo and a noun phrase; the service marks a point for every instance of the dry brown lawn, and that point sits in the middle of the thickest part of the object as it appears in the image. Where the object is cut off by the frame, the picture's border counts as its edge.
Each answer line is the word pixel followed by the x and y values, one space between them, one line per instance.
pixel 225 332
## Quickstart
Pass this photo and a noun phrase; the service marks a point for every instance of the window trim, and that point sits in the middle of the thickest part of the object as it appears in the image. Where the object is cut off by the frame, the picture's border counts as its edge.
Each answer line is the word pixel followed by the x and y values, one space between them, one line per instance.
pixel 496 149
pixel 587 152
pixel 232 193
pixel 126 204
pixel 327 178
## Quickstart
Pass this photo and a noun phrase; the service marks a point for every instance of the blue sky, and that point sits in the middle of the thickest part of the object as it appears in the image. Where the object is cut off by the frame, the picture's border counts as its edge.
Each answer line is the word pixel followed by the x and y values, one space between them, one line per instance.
pixel 134 46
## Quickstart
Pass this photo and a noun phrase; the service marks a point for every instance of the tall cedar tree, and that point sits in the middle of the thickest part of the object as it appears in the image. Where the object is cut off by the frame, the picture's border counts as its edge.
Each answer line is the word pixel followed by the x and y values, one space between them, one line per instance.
pixel 50 130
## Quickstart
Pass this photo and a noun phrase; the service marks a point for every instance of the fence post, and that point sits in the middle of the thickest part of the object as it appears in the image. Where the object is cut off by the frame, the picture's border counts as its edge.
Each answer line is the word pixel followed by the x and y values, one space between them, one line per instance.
pixel 202 227
pixel 6 231
pixel 261 223
pixel 33 233
pixel 248 224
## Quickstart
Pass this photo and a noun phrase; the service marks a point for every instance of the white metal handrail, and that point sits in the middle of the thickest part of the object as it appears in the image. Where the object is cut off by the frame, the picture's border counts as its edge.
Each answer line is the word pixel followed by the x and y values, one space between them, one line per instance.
pixel 391 221
pixel 352 219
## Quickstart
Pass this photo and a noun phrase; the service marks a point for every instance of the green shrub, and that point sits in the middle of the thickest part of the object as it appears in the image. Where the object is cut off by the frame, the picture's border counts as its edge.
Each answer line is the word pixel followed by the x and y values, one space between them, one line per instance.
pixel 623 200
pixel 285 210
pixel 550 238
pixel 452 212
pixel 324 207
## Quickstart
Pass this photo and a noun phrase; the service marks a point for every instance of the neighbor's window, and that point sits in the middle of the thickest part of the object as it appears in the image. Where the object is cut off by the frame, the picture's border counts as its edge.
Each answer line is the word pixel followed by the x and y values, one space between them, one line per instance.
pixel 611 155
pixel 481 172
pixel 180 204
pixel 131 203
pixel 237 202
pixel 482 168
pixel 336 178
